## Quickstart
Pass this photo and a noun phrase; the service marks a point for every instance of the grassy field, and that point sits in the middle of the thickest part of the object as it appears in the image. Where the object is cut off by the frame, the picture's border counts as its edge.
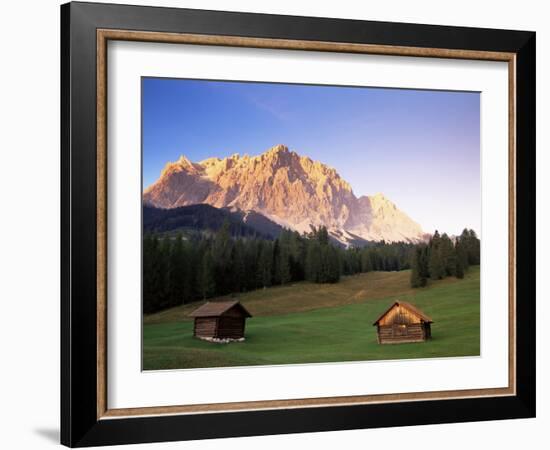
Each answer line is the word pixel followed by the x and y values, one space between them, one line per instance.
pixel 305 323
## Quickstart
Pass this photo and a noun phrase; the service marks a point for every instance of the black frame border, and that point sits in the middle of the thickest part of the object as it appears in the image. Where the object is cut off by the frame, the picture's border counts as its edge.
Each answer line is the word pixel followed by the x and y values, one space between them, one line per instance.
pixel 79 423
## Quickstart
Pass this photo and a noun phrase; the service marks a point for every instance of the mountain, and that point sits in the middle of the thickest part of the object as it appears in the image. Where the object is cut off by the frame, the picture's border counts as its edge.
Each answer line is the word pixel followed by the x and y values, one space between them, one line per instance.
pixel 208 218
pixel 291 190
pixel 204 218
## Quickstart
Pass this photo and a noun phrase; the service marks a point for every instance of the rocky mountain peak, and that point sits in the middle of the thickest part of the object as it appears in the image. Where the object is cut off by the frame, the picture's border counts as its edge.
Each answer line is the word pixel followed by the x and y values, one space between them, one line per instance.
pixel 291 190
pixel 184 161
pixel 277 149
pixel 181 164
pixel 379 196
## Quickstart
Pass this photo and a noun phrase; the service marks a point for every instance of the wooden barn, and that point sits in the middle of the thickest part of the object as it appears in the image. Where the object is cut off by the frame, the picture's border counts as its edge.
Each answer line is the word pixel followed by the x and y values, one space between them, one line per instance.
pixel 403 322
pixel 220 320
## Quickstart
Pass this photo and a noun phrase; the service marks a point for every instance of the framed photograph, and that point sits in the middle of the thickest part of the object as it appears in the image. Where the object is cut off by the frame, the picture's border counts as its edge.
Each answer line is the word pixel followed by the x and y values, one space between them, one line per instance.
pixel 277 224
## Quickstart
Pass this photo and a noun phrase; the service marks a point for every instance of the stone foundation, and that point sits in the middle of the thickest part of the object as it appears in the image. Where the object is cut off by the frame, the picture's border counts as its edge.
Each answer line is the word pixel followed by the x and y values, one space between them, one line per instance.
pixel 220 340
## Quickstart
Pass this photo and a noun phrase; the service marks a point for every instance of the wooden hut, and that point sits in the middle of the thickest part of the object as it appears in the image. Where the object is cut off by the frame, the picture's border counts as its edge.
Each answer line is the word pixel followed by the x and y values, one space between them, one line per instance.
pixel 220 320
pixel 403 322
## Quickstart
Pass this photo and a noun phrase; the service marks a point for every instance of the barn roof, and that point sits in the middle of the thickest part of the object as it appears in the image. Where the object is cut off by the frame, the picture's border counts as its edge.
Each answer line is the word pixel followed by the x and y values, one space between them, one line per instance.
pixel 413 309
pixel 214 309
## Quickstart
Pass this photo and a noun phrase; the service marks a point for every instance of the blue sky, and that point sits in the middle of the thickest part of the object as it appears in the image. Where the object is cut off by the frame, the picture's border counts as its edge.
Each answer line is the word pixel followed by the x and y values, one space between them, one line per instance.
pixel 420 148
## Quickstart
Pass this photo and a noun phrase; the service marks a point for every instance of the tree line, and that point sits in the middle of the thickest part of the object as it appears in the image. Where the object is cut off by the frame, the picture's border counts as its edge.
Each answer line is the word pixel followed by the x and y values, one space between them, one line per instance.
pixel 178 270
pixel 442 257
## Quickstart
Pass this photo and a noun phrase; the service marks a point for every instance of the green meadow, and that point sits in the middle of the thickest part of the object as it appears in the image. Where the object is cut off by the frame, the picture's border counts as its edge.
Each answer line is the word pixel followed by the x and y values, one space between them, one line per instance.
pixel 313 323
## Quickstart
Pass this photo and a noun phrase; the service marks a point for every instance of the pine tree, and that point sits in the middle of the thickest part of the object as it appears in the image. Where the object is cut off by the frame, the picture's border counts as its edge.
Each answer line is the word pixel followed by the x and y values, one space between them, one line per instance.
pixel 251 259
pixel 151 276
pixel 459 269
pixel 461 259
pixel 435 264
pixel 415 268
pixel 366 261
pixel 448 255
pixel 221 257
pixel 207 282
pixel 473 248
pixel 191 292
pixel 297 255
pixel 322 236
pixel 313 260
pixel 424 261
pixel 284 265
pixel 419 267
pixel 177 272
pixel 461 247
pixel 333 265
pixel 265 264
pixel 238 267
pixel 162 265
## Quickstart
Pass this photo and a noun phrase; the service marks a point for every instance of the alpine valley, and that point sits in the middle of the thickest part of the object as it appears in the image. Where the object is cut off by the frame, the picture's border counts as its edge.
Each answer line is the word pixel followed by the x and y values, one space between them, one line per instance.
pixel 287 189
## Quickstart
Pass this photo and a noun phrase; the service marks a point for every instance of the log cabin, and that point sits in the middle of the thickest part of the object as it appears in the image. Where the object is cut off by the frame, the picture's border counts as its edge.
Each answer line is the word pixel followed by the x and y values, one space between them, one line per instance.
pixel 220 320
pixel 403 322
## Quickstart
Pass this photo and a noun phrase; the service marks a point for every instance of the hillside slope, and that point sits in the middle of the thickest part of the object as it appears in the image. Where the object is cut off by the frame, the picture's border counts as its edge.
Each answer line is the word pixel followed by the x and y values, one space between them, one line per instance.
pixel 339 328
